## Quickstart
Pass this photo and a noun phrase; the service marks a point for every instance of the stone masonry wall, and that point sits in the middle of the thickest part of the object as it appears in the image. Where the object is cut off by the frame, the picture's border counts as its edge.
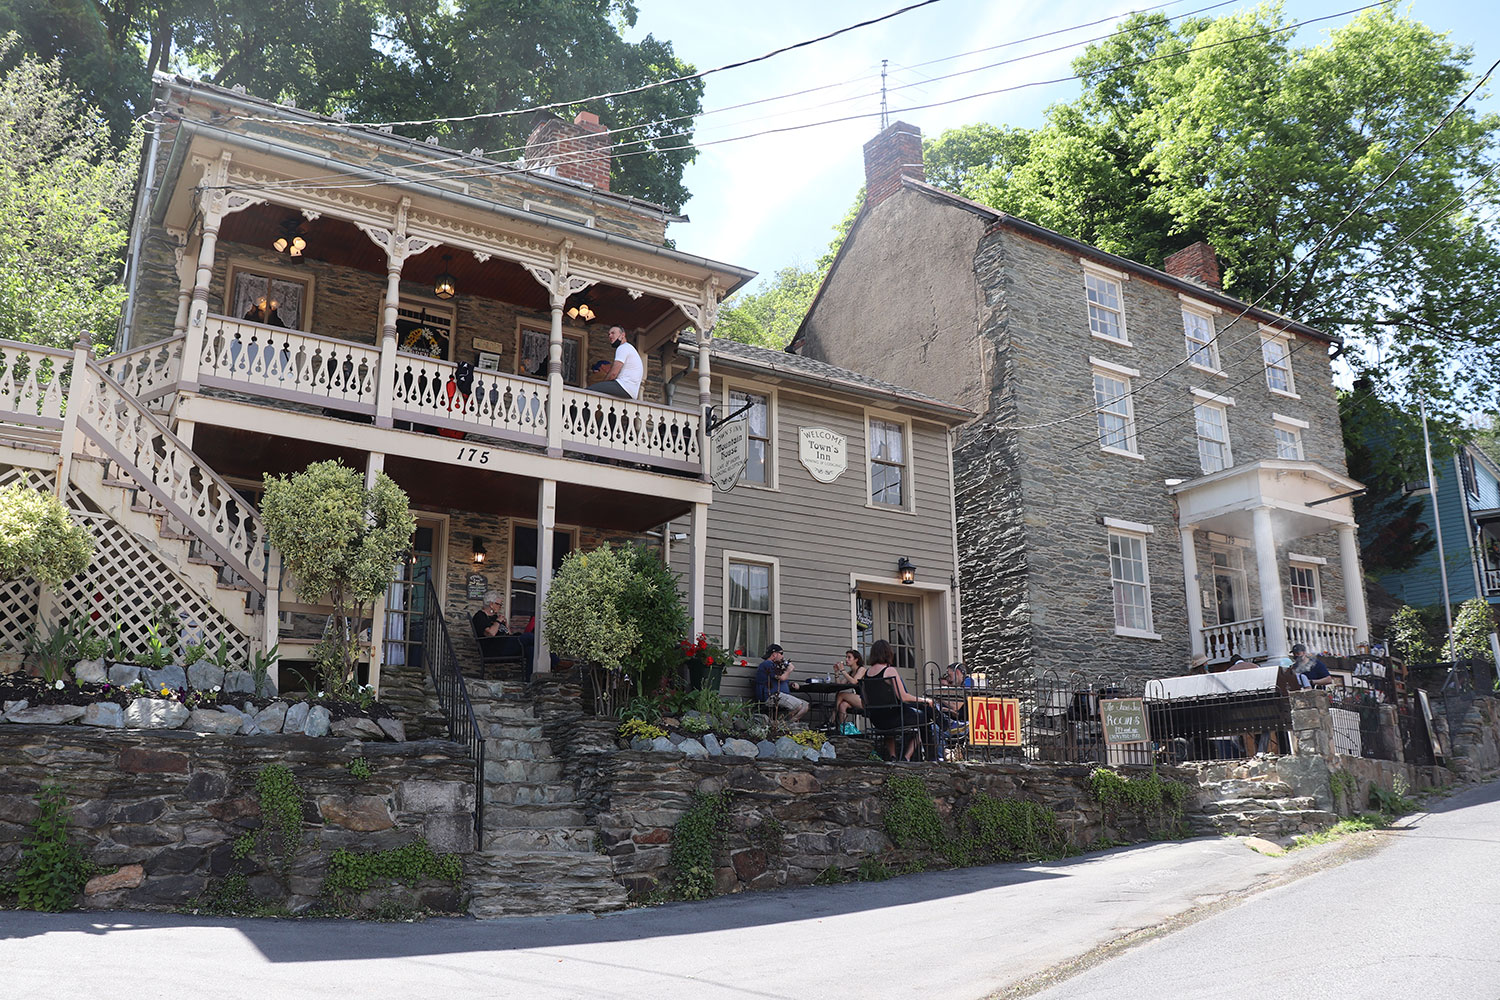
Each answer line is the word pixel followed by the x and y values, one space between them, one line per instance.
pixel 165 807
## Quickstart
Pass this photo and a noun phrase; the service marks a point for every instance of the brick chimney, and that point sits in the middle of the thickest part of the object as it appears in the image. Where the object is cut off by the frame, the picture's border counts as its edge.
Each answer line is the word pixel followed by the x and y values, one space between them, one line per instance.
pixel 580 149
pixel 893 154
pixel 1196 263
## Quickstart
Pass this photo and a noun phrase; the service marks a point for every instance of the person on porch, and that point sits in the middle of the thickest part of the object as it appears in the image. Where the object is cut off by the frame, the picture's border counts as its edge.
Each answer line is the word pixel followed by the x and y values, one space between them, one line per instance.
pixel 773 684
pixel 623 375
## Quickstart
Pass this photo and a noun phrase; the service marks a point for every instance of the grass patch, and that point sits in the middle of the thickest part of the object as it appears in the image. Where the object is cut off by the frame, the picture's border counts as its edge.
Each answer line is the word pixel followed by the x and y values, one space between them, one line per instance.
pixel 1343 828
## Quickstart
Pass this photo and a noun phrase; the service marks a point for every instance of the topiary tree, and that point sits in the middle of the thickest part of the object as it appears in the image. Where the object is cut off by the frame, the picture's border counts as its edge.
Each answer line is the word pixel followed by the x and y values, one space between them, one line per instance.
pixel 1410 633
pixel 583 614
pixel 341 540
pixel 1472 627
pixel 39 539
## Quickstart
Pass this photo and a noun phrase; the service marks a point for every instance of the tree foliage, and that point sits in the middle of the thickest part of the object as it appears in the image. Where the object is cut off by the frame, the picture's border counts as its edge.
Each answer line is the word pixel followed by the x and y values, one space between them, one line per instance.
pixel 38 538
pixel 1383 445
pixel 1261 147
pixel 583 617
pixel 338 539
pixel 1472 628
pixel 383 60
pixel 64 209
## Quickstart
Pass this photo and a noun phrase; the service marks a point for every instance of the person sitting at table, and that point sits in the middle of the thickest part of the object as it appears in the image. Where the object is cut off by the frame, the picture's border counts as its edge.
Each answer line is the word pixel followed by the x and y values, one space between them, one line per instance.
pixel 489 625
pixel 773 684
pixel 1311 671
pixel 849 671
pixel 918 712
pixel 955 676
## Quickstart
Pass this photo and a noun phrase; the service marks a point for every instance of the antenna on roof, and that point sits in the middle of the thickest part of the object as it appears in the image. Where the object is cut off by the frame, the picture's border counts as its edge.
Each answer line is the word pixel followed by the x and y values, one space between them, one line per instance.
pixel 885 116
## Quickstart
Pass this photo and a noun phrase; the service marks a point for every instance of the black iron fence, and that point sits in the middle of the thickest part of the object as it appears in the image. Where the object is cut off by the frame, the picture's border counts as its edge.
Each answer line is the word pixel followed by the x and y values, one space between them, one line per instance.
pixel 453 694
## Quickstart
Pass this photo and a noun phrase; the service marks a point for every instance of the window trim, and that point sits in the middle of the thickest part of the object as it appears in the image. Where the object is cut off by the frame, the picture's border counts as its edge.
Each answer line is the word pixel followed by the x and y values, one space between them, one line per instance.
pixel 1117 372
pixel 1143 537
pixel 1198 439
pixel 773 475
pixel 909 481
pixel 1286 338
pixel 576 333
pixel 752 558
pixel 1293 426
pixel 1303 562
pixel 1119 278
pixel 242 262
pixel 1190 308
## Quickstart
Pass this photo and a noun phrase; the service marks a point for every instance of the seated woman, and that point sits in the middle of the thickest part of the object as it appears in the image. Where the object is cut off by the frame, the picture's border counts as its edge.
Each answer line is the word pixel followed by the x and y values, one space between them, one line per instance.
pixel 916 712
pixel 848 672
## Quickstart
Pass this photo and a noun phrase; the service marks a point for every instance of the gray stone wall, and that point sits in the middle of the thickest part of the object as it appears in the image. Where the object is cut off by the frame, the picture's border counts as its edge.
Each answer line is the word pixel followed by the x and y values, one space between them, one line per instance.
pixel 165 807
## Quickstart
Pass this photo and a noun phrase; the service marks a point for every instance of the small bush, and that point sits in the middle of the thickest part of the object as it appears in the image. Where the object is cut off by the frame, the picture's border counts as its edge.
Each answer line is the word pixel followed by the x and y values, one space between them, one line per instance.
pixel 52 872
pixel 696 838
pixel 38 538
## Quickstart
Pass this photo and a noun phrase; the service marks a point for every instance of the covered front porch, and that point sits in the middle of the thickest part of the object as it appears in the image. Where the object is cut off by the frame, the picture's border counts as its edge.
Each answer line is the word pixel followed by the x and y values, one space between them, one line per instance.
pixel 1487 551
pixel 1250 591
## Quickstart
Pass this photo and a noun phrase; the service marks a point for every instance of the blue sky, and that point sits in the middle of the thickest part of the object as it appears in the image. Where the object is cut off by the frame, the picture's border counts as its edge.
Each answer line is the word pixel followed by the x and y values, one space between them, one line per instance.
pixel 771 201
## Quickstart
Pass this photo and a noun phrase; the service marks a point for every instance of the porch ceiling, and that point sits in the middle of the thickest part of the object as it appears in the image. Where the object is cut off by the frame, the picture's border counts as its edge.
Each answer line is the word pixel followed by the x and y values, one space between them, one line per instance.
pixel 1297 493
pixel 244 454
pixel 341 244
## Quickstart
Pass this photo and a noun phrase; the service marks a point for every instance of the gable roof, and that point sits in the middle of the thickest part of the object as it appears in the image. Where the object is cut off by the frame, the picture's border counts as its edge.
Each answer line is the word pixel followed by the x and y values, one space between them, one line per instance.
pixel 998 218
pixel 795 367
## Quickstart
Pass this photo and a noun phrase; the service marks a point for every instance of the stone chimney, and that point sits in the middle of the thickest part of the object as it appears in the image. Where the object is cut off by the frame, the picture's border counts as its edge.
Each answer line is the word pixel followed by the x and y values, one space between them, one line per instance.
pixel 1196 263
pixel 580 149
pixel 893 154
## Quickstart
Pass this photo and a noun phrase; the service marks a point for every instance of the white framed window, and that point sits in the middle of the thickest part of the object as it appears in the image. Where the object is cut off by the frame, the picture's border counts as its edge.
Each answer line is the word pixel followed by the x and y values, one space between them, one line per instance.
pixel 1307 592
pixel 890 481
pixel 1130 580
pixel 1116 410
pixel 531 353
pixel 750 602
pixel 1277 353
pixel 1106 306
pixel 1202 345
pixel 1212 420
pixel 760 433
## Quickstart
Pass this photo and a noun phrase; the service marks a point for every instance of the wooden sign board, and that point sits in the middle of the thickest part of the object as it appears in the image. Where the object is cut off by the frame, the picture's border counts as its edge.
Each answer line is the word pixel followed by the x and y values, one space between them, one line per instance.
pixel 1124 721
pixel 994 722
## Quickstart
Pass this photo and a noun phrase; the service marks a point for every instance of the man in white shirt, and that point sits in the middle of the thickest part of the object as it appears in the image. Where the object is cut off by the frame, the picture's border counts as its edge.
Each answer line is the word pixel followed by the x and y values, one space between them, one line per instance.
pixel 623 376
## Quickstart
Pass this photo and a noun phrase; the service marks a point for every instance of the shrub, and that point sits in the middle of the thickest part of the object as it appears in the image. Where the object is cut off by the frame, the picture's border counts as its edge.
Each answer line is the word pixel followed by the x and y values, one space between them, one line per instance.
pixel 339 539
pixel 1472 627
pixel 38 538
pixel 52 872
pixel 650 601
pixel 1411 633
pixel 583 617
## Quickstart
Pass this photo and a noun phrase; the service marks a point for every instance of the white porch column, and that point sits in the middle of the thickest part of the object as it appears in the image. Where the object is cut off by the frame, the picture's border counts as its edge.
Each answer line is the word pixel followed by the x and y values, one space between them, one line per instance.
pixel 557 300
pixel 698 579
pixel 185 274
pixel 78 397
pixel 546 524
pixel 1190 583
pixel 1272 610
pixel 386 380
pixel 192 348
pixel 1354 583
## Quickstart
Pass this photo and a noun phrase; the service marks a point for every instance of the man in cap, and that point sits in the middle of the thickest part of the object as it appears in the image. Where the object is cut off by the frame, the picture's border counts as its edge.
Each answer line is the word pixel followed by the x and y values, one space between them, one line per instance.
pixel 1311 671
pixel 773 684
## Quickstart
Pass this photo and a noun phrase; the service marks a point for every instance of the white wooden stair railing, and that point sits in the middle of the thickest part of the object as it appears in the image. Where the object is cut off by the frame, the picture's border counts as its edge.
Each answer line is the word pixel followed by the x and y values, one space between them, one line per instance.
pixel 121 429
pixel 147 372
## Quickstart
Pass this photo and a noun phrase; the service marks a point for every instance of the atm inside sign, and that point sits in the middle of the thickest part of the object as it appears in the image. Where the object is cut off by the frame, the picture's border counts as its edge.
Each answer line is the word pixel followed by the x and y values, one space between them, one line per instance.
pixel 994 722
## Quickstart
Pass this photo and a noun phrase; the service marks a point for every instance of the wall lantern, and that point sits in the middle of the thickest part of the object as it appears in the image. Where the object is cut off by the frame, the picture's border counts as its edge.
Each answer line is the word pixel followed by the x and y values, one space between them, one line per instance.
pixel 582 310
pixel 478 551
pixel 290 242
pixel 906 570
pixel 444 288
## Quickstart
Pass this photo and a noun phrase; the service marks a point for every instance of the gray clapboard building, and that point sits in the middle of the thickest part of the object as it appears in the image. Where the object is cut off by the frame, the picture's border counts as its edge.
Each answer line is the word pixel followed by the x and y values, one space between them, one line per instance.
pixel 1158 469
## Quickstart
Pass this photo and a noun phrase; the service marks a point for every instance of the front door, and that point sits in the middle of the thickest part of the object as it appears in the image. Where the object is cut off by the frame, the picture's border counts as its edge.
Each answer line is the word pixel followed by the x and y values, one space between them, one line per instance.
pixel 897 620
pixel 406 599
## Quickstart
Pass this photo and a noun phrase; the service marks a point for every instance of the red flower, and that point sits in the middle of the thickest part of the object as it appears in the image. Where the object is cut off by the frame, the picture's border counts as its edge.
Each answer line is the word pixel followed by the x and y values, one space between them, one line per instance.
pixel 710 661
pixel 743 663
pixel 739 652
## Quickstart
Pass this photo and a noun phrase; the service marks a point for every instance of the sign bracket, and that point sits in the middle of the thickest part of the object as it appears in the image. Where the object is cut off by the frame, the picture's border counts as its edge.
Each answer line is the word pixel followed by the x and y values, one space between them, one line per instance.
pixel 714 425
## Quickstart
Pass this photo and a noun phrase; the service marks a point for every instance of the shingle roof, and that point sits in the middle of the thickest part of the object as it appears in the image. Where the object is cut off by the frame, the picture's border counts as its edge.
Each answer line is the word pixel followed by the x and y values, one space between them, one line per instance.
pixel 808 369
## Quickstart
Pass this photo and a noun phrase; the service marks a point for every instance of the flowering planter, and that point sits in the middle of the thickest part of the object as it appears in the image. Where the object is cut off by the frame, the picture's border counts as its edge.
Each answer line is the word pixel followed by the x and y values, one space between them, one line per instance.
pixel 701 675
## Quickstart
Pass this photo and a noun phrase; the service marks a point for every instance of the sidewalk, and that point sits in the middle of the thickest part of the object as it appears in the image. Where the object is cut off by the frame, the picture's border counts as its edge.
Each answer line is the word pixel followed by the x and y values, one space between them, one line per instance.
pixel 959 934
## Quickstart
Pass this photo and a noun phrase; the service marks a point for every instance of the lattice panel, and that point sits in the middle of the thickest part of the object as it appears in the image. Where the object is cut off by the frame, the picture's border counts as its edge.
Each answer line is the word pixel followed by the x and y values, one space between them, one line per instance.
pixel 20 600
pixel 128 581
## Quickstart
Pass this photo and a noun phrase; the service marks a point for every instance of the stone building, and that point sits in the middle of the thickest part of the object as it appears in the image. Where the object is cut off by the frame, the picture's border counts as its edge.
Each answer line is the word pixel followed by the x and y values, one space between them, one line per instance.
pixel 1158 468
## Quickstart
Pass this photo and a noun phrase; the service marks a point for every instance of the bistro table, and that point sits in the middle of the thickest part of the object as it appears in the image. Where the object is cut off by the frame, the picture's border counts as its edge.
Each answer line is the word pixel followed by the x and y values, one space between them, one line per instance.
pixel 830 689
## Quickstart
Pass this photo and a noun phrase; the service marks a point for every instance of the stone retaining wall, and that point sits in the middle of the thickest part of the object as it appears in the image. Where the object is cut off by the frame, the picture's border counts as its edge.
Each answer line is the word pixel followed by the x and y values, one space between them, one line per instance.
pixel 159 810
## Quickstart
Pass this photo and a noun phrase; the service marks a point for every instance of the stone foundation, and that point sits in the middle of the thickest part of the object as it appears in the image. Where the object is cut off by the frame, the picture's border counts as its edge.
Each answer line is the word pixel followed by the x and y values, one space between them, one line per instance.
pixel 159 811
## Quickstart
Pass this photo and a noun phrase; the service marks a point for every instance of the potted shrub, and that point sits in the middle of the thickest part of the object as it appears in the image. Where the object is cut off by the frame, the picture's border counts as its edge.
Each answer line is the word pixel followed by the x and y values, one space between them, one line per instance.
pixel 704 660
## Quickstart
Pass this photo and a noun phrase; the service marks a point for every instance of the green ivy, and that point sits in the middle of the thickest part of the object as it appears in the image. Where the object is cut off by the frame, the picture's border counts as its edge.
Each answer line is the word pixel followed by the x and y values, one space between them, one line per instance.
pixel 359 769
pixel 769 835
pixel 993 830
pixel 353 873
pixel 1343 787
pixel 280 840
pixel 52 872
pixel 1155 801
pixel 696 838
pixel 873 869
pixel 911 817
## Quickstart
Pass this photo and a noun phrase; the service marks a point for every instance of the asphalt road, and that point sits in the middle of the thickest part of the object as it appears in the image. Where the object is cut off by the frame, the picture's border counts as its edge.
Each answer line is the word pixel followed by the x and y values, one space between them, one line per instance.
pixel 1423 906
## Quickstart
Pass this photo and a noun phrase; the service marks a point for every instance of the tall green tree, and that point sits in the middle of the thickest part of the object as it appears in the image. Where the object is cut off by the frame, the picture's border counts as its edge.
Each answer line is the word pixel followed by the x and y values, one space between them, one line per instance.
pixel 1261 147
pixel 391 60
pixel 1383 444
pixel 64 209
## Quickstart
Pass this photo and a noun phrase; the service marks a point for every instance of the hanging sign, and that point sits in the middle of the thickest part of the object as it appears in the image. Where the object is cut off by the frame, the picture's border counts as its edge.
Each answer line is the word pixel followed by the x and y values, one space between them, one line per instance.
pixel 1124 721
pixel 994 722
pixel 476 586
pixel 729 451
pixel 823 452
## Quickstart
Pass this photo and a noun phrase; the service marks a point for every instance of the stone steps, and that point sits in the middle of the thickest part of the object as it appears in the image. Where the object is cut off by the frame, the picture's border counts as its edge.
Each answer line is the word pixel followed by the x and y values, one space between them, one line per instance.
pixel 574 840
pixel 1274 823
pixel 1301 803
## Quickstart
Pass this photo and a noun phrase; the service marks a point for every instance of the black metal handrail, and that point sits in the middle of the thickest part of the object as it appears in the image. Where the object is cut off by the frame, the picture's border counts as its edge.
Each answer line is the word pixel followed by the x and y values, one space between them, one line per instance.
pixel 453 694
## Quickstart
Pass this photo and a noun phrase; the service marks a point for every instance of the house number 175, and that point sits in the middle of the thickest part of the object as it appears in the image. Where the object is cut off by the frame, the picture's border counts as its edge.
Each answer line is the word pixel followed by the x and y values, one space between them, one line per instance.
pixel 474 455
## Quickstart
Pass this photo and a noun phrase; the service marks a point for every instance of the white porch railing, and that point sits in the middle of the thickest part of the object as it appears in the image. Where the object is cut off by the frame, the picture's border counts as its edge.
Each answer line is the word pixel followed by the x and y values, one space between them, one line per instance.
pixel 606 425
pixel 1492 581
pixel 288 364
pixel 1248 638
pixel 34 384
pixel 426 390
pixel 148 371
